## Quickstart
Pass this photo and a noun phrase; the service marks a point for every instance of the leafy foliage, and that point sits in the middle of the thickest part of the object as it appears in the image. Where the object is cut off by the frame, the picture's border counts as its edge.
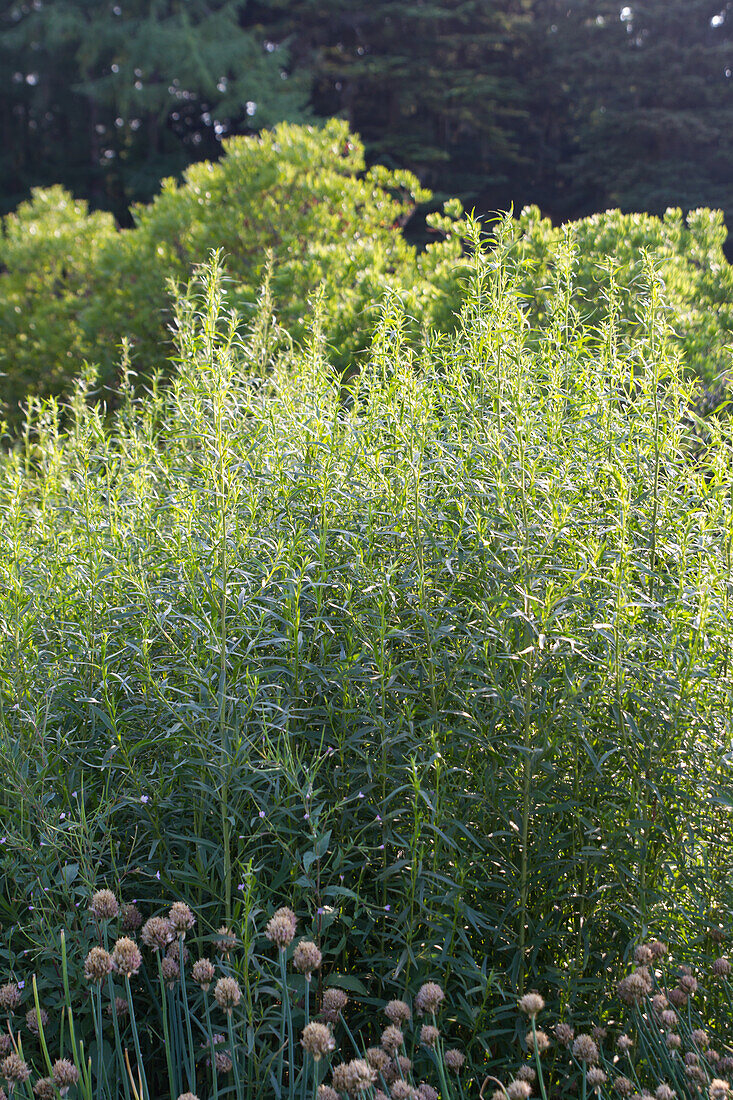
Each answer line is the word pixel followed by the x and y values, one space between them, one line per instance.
pixel 443 657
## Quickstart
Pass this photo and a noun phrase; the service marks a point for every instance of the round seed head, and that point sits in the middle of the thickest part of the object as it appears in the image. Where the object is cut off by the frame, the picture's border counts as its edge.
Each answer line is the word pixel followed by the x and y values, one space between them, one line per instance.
pixel 678 997
pixel 672 1041
pixel 132 918
pixel 203 973
pixel 317 1040
pixel 223 1061
pixel 377 1058
pixel 721 967
pixel 564 1034
pixel 537 1041
pixel 404 1064
pixel 333 1004
pixel 623 1086
pixel 635 986
pixel 9 997
pixel 400 1090
pixel 624 1043
pixel 392 1039
pixel 14 1070
pixel 174 952
pixel 97 965
pixel 31 1020
pixel 361 1076
pixel 225 940
pixel 397 1012
pixel 6 1044
pixel 126 957
pixel 171 971
pixel 454 1059
pixel 44 1088
pixel 227 993
pixel 643 955
pixel 688 984
pixel 664 1092
pixel 700 1039
pixel 429 1035
pixel 429 998
pixel 518 1089
pixel 104 905
pixel 596 1077
pixel 719 1090
pixel 599 1034
pixel 157 933
pixel 122 1008
pixel 426 1091
pixel 526 1073
pixel 188 1096
pixel 531 1004
pixel 657 948
pixel 585 1050
pixel 307 957
pixel 669 1017
pixel 281 927
pixel 65 1073
pixel 325 1092
pixel 181 918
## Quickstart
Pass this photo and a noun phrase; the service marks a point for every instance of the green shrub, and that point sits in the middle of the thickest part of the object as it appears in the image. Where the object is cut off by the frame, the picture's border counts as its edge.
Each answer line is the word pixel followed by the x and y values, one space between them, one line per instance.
pixel 301 193
pixel 447 661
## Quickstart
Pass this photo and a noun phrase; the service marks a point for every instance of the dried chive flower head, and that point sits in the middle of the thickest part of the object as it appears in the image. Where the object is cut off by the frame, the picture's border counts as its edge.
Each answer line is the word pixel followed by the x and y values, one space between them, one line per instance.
pixel 672 1041
pixel 454 1059
pixel 426 1092
pixel 14 1070
pixel 171 971
pixel 526 1073
pixel 32 1023
pixel 400 1090
pixel 664 1092
pixel 188 1096
pixel 397 1012
pixel 65 1074
pixel 122 1008
pixel 688 984
pixel 307 958
pixel 657 948
pixel 281 927
pixel 334 1002
pixel 596 1077
pixel 719 1090
pixel 317 1040
pixel 104 905
pixel 700 1039
pixel 519 1089
pixel 377 1058
pixel 721 967
pixel 97 965
pixel 9 997
pixel 225 940
pixel 404 1064
pixel 643 955
pixel 585 1050
pixel 624 1043
pixel 44 1088
pixel 227 993
pixel 599 1034
pixel 203 973
pixel 126 957
pixel 157 933
pixel 174 952
pixel 392 1039
pixel 6 1044
pixel 132 918
pixel 361 1076
pixel 181 918
pixel 564 1034
pixel 635 986
pixel 531 1004
pixel 222 1061
pixel 429 1035
pixel 429 998
pixel 537 1041
pixel 669 1018
pixel 325 1092
pixel 623 1086
pixel 678 997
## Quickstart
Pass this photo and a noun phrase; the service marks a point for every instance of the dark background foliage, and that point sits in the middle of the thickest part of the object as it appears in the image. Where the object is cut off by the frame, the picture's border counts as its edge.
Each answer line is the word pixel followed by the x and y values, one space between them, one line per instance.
pixel 575 105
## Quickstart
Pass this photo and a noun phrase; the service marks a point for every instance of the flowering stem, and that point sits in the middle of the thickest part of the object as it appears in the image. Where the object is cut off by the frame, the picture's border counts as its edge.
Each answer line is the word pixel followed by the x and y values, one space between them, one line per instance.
pixel 289 1018
pixel 210 1034
pixel 136 1040
pixel 166 1030
pixel 233 1052
pixel 118 1040
pixel 306 1059
pixel 538 1060
pixel 585 1080
pixel 190 1063
pixel 41 1036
